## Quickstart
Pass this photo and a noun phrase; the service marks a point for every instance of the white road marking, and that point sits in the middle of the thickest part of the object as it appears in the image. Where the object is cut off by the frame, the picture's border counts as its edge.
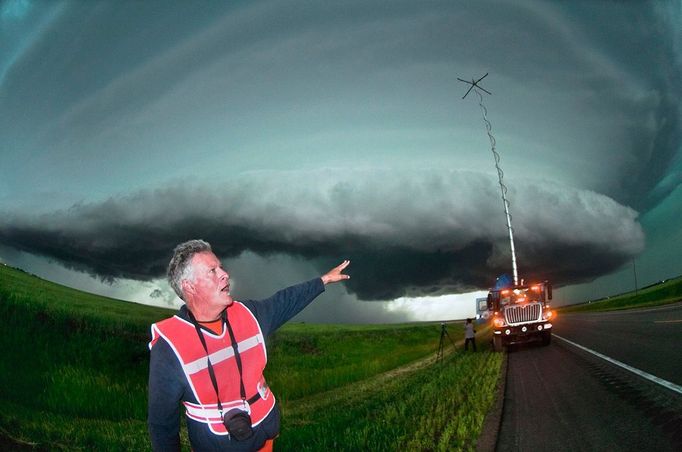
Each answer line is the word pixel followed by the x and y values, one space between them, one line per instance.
pixel 641 373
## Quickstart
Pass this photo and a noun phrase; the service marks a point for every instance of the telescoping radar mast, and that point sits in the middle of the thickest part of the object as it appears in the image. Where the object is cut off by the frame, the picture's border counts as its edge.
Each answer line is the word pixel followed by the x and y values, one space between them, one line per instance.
pixel 521 312
pixel 500 174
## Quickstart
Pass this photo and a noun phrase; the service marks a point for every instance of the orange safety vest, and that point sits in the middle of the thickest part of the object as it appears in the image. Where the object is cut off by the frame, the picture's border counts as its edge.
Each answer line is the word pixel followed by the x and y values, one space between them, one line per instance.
pixel 182 336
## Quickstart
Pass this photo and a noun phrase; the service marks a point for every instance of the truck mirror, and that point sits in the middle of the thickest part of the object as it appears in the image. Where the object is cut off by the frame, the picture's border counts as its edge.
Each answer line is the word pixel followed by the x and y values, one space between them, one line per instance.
pixel 549 291
pixel 489 302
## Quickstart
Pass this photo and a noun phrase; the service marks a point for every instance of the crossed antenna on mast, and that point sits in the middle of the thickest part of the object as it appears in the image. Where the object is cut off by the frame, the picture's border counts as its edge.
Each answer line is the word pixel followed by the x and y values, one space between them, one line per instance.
pixel 500 174
pixel 474 84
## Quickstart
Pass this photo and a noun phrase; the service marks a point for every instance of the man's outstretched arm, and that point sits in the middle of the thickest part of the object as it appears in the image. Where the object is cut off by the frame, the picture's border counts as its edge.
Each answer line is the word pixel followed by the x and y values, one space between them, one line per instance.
pixel 336 273
pixel 274 311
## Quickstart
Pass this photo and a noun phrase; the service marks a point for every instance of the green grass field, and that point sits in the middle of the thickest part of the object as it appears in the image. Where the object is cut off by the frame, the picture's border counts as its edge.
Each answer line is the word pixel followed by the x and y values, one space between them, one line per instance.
pixel 669 291
pixel 74 377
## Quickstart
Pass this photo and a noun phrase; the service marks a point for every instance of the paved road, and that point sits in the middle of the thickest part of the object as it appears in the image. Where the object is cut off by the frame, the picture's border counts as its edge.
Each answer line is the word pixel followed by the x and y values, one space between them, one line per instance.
pixel 648 339
pixel 561 398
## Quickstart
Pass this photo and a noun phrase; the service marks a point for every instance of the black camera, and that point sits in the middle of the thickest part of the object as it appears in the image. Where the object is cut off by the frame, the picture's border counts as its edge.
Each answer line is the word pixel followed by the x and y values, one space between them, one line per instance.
pixel 238 424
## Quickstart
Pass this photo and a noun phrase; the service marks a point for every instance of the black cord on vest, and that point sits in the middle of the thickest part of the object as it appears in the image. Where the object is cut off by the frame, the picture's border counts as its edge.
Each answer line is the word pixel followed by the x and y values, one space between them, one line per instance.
pixel 211 373
pixel 238 359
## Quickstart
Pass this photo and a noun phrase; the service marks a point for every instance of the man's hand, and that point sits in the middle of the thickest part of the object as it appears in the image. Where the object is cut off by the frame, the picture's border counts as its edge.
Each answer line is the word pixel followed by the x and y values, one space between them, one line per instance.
pixel 335 274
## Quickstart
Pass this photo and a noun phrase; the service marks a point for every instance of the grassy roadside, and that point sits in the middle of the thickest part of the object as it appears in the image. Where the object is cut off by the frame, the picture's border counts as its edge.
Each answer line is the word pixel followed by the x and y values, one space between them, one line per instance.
pixel 666 292
pixel 74 377
pixel 427 405
pixel 338 355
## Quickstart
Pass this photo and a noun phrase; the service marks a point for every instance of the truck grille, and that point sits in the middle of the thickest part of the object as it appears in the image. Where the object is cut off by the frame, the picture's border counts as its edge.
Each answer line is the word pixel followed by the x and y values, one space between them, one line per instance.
pixel 515 315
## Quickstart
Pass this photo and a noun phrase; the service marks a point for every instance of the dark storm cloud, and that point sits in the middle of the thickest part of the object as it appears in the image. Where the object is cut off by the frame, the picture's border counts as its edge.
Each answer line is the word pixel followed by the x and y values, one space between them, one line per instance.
pixel 598 80
pixel 644 47
pixel 416 233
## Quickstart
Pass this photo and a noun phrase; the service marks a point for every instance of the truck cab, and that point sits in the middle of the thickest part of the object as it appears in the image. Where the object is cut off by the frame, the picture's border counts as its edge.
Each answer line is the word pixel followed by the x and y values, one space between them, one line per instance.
pixel 520 313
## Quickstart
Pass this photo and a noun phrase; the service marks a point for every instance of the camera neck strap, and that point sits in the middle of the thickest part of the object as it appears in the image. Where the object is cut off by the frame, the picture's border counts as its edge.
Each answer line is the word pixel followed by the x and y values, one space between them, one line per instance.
pixel 237 357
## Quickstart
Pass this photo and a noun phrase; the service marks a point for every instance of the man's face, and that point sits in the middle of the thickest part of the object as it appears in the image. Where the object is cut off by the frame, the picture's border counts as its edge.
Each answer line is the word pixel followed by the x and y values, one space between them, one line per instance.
pixel 211 283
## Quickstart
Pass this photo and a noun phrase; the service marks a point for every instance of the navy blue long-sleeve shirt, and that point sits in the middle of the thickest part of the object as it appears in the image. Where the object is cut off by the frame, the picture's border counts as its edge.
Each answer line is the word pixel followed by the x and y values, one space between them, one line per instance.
pixel 168 385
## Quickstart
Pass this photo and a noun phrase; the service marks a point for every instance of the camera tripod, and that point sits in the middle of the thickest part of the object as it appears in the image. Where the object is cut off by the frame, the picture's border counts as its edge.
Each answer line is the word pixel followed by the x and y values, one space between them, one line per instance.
pixel 443 333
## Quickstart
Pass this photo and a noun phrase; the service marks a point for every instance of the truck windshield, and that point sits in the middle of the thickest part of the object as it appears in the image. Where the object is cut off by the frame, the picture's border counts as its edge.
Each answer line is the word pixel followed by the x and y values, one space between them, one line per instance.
pixel 520 295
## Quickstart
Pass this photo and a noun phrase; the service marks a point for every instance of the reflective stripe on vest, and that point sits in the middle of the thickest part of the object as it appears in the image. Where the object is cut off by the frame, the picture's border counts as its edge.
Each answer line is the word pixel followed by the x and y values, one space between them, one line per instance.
pixel 210 411
pixel 182 337
pixel 223 354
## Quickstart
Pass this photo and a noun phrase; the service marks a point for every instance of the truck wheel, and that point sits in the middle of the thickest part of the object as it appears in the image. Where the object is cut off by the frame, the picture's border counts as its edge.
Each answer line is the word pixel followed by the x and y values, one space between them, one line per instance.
pixel 497 343
pixel 546 338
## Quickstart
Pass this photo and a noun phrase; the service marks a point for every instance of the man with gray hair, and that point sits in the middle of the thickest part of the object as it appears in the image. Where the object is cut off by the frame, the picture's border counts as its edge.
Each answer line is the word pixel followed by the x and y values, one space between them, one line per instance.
pixel 210 356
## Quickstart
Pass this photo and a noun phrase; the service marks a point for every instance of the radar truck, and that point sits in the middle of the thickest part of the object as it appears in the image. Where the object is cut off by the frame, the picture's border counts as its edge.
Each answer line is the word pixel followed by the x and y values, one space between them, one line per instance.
pixel 520 313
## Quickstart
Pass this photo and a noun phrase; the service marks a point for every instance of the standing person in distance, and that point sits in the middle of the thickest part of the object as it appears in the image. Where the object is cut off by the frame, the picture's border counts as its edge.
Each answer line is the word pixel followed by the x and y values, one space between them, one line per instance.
pixel 210 356
pixel 469 335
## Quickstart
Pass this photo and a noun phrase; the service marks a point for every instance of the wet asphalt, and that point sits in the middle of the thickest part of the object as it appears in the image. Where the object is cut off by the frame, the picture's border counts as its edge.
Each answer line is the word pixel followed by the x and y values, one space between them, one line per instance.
pixel 559 397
